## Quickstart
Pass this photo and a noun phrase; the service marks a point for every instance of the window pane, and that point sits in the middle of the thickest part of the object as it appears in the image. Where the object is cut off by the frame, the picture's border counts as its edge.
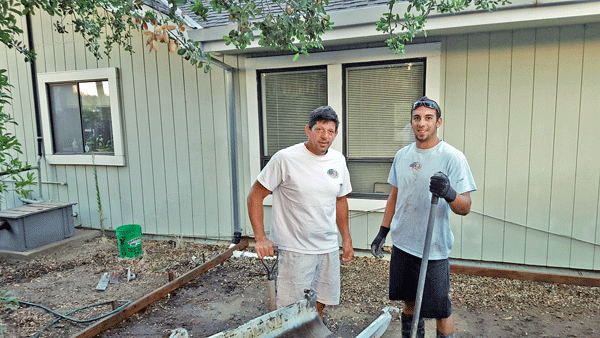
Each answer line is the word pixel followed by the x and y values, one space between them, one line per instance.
pixel 95 116
pixel 369 178
pixel 66 119
pixel 378 103
pixel 379 99
pixel 287 100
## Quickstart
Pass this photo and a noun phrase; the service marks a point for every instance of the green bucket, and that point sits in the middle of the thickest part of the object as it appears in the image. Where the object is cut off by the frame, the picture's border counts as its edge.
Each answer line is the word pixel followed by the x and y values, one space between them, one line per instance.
pixel 129 237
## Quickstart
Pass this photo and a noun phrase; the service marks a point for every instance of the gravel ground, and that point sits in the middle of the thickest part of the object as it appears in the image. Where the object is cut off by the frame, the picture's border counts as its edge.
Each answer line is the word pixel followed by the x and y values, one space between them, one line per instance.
pixel 235 291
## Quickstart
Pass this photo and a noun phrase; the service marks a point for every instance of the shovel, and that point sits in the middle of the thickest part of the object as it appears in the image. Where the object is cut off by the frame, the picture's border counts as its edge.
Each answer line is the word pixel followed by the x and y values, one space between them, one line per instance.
pixel 423 271
pixel 271 279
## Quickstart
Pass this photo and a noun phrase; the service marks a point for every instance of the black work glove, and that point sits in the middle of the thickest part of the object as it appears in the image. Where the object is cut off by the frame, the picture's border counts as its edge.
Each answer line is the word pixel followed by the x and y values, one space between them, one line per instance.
pixel 378 242
pixel 440 186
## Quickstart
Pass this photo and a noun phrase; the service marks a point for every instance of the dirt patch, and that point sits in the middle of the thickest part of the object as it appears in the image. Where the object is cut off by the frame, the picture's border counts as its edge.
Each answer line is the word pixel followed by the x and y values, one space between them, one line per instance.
pixel 235 292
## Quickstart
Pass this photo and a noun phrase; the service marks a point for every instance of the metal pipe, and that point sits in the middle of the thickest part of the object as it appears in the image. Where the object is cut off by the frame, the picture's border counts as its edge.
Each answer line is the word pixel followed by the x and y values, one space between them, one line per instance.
pixel 423 271
pixel 230 88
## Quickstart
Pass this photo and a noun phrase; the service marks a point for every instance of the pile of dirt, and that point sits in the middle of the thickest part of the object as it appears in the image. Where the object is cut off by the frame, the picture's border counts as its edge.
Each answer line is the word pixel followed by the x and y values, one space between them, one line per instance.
pixel 235 292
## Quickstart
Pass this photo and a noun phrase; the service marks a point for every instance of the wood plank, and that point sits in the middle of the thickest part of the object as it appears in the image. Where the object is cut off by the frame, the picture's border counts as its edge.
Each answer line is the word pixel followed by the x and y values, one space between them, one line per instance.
pixel 140 304
pixel 524 275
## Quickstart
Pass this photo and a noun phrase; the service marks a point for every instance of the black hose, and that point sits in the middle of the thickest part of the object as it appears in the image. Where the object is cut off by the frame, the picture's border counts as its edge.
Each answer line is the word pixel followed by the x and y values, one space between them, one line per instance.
pixel 79 321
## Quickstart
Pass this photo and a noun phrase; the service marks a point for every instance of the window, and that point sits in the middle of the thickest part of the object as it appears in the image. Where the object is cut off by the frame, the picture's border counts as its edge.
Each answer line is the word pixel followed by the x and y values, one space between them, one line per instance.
pixel 286 99
pixel 378 99
pixel 81 117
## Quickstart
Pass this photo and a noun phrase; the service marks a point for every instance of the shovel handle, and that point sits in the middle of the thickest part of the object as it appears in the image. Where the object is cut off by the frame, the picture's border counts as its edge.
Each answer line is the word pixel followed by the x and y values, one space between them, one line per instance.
pixel 423 271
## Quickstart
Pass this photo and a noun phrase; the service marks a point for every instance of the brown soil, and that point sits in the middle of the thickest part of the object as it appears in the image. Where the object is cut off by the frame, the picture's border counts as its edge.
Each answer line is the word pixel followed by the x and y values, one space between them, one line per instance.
pixel 235 292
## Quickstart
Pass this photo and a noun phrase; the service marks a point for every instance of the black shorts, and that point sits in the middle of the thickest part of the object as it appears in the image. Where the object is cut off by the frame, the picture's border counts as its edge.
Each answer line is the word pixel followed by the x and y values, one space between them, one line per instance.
pixel 404 278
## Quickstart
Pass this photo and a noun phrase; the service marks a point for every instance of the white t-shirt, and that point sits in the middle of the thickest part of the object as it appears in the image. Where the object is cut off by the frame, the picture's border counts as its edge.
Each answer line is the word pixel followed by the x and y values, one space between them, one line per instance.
pixel 411 173
pixel 305 189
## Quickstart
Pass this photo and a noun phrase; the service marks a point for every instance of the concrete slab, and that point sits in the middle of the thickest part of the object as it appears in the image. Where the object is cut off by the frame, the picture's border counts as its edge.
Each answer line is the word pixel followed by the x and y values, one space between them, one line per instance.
pixel 81 235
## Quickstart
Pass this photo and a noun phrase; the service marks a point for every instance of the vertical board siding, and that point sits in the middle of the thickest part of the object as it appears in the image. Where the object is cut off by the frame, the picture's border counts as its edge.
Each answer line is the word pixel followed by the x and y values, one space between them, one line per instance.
pixel 520 104
pixel 176 180
pixel 496 144
pixel 538 176
pixel 454 114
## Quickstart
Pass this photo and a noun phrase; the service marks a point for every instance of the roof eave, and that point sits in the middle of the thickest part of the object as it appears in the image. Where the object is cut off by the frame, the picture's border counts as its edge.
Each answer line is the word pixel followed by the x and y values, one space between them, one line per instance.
pixel 358 25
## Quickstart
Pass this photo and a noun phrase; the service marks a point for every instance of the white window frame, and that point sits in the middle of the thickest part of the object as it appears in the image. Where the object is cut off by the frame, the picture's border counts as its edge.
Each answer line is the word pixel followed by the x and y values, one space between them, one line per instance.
pixel 334 61
pixel 110 74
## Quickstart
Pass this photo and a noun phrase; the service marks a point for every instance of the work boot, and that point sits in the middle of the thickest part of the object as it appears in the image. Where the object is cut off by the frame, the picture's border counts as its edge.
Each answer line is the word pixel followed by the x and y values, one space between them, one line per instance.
pixel 439 335
pixel 407 324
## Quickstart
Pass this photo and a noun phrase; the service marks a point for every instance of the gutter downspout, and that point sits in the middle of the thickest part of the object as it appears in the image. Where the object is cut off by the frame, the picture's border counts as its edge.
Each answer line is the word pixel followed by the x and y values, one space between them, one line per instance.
pixel 230 88
pixel 36 105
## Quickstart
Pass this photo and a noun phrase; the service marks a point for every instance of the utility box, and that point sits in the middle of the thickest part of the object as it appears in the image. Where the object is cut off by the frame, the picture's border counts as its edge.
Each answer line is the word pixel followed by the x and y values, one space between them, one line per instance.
pixel 33 225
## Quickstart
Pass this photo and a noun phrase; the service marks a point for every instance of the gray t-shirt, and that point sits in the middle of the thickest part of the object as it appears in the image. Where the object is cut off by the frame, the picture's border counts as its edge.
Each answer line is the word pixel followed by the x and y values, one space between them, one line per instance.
pixel 411 173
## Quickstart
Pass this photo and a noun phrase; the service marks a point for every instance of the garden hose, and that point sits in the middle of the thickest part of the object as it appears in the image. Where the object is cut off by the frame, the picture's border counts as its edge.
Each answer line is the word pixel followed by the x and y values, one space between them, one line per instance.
pixel 79 321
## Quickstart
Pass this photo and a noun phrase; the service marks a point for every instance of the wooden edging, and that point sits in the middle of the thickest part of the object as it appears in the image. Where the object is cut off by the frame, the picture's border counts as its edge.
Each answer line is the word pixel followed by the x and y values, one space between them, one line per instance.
pixel 138 305
pixel 525 275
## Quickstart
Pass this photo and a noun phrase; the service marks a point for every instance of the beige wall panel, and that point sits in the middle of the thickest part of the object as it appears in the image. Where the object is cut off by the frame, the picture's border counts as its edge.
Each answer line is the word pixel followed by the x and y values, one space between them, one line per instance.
pixel 475 136
pixel 88 174
pixel 456 227
pixel 193 99
pixel 71 180
pixel 374 223
pixel 519 130
pixel 587 177
pixel 565 134
pixel 536 247
pixel 155 83
pixel 207 132
pixel 180 112
pixel 542 130
pixel 493 239
pixel 494 191
pixel 559 254
pixel 139 154
pixel 169 149
pixel 223 160
pixel 514 243
pixel 359 225
pixel 152 136
pixel 453 109
pixel 582 255
pixel 83 197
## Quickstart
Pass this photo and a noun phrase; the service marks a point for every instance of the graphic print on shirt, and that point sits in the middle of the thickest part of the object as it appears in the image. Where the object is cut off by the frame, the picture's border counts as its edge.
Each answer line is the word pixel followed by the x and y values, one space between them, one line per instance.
pixel 416 166
pixel 333 173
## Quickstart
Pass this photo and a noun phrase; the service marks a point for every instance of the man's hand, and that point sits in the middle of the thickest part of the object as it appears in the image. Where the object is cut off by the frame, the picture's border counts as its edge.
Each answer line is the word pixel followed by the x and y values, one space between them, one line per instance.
pixel 348 252
pixel 264 248
pixel 379 241
pixel 440 186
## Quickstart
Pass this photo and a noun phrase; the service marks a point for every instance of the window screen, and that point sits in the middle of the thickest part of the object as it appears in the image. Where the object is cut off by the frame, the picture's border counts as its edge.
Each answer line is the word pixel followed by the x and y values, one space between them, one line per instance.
pixel 287 98
pixel 378 103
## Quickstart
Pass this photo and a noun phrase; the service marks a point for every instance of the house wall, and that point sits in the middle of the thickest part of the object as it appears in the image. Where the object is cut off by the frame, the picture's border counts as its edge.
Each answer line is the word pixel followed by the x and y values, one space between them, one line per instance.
pixel 177 176
pixel 520 104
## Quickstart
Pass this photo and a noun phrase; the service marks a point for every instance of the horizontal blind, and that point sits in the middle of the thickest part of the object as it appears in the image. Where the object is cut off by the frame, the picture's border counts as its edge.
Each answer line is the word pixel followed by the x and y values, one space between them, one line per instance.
pixel 288 98
pixel 379 100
